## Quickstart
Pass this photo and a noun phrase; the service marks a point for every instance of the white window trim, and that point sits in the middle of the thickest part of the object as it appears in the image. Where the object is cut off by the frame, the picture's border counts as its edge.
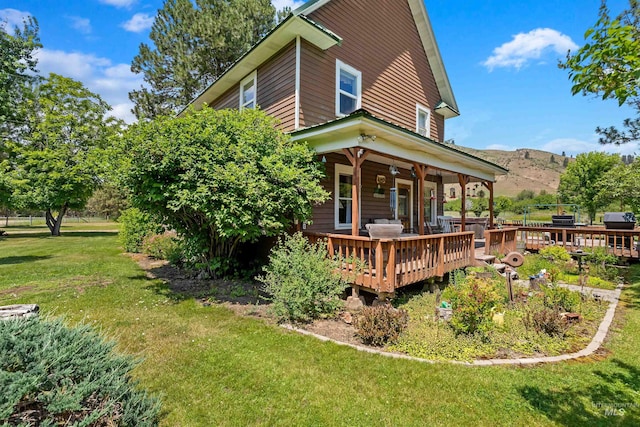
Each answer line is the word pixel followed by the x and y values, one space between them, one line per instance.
pixel 428 187
pixel 406 183
pixel 421 108
pixel 343 170
pixel 253 76
pixel 349 69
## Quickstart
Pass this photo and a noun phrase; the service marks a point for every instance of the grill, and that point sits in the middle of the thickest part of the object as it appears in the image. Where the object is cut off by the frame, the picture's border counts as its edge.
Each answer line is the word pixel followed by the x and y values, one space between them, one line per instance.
pixel 565 221
pixel 619 221
pixel 562 221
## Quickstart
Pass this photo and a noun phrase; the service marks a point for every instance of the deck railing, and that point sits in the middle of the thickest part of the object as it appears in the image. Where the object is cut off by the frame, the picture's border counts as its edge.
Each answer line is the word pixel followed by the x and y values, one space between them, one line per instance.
pixel 384 265
pixel 500 241
pixel 621 243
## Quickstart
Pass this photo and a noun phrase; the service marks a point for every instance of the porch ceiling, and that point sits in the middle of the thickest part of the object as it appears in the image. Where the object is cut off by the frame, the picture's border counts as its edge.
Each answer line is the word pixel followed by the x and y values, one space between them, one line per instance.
pixel 390 143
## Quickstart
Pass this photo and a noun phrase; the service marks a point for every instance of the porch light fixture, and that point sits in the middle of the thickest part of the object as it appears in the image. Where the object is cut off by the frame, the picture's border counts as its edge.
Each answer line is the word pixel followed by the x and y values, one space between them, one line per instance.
pixel 366 138
pixel 413 173
pixel 393 170
pixel 324 159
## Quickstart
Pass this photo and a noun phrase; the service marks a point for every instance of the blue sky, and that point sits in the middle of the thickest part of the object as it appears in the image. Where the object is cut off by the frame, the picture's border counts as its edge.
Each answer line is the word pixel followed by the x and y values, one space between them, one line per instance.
pixel 501 57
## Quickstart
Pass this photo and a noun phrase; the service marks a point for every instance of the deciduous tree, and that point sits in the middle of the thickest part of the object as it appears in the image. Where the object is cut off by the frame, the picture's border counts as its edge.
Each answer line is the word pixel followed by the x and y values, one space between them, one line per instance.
pixel 608 66
pixel 580 182
pixel 56 163
pixel 220 178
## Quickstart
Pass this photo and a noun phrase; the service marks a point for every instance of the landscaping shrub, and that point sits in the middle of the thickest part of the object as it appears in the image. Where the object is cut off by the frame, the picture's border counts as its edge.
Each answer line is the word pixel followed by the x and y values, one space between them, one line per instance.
pixel 163 246
pixel 302 282
pixel 380 325
pixel 555 254
pixel 545 320
pixel 558 298
pixel 54 375
pixel 472 301
pixel 135 226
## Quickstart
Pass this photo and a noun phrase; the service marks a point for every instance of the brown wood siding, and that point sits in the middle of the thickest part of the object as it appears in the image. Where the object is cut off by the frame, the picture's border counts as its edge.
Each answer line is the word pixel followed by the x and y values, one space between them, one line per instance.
pixel 277 86
pixel 229 99
pixel 380 39
pixel 371 207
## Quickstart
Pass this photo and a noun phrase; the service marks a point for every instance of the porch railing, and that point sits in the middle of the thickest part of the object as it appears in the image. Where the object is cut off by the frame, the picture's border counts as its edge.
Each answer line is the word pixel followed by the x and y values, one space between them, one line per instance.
pixel 621 243
pixel 500 241
pixel 383 265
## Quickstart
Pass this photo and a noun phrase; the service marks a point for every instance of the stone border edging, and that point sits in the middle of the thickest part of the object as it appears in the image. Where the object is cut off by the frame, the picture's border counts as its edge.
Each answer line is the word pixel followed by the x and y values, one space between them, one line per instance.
pixel 612 296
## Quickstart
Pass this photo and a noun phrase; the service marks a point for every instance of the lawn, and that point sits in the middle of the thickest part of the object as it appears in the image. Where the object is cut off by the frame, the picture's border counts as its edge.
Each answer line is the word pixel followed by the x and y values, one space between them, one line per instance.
pixel 212 367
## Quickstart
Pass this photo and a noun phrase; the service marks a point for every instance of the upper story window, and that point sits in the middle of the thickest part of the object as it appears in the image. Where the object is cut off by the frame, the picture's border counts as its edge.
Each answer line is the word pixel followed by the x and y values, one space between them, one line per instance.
pixel 423 120
pixel 248 90
pixel 348 89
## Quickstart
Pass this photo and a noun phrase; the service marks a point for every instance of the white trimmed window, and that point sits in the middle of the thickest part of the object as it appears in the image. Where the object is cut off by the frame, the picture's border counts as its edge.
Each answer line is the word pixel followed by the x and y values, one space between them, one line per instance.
pixel 248 90
pixel 423 120
pixel 348 89
pixel 343 196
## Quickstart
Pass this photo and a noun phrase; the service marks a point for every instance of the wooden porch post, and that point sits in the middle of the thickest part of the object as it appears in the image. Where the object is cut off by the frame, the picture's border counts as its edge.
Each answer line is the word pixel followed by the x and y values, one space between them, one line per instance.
pixel 421 172
pixel 489 186
pixel 356 156
pixel 463 180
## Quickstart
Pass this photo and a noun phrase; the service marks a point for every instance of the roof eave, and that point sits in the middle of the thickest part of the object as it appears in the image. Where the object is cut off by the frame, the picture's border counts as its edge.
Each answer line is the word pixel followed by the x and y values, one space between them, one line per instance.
pixel 268 46
pixel 362 116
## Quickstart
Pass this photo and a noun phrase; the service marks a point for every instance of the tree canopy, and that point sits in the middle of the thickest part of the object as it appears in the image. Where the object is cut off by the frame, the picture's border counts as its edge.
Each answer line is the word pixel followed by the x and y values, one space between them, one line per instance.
pixel 220 179
pixel 608 66
pixel 17 46
pixel 55 163
pixel 193 43
pixel 580 182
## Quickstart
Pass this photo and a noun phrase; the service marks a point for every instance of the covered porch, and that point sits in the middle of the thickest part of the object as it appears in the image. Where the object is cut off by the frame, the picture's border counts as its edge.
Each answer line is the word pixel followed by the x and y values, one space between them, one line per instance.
pixel 380 172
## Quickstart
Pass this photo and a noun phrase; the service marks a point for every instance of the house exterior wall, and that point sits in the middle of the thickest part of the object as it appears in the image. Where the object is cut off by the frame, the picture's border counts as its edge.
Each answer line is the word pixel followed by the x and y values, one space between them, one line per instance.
pixel 380 40
pixel 276 88
pixel 371 207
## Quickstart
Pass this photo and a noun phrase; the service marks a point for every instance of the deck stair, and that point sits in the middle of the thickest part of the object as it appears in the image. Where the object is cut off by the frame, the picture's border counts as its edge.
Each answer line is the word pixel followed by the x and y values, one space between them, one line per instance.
pixel 487 259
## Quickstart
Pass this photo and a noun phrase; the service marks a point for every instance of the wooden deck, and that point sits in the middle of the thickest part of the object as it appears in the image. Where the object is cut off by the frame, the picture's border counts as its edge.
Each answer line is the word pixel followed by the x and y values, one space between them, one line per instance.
pixel 384 265
pixel 621 243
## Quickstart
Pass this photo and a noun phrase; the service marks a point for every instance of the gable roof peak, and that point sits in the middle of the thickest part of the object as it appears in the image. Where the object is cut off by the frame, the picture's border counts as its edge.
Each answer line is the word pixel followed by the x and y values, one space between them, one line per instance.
pixel 425 30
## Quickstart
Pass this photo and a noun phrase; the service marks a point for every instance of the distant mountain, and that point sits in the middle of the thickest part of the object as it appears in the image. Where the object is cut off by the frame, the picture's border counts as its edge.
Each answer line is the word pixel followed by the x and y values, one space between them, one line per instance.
pixel 528 169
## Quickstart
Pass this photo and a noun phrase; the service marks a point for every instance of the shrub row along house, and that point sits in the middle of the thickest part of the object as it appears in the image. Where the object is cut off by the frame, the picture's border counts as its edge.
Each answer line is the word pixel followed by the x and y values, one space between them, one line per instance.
pixel 364 84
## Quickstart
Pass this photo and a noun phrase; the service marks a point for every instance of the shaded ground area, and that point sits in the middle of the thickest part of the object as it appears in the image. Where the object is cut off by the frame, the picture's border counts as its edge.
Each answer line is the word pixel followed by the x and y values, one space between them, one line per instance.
pixel 242 296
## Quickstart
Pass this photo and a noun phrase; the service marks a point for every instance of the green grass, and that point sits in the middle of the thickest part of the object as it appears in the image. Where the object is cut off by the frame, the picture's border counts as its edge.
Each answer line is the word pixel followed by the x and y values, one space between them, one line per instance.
pixel 212 367
pixel 67 226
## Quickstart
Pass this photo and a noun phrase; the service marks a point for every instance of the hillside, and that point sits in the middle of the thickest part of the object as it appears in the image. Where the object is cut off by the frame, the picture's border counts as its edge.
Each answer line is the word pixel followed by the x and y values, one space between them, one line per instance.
pixel 533 171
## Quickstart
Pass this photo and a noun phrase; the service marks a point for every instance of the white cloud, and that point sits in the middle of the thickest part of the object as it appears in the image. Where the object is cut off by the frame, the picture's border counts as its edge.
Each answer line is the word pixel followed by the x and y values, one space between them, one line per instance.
pixel 10 18
pixel 83 25
pixel 576 146
pixel 280 4
pixel 138 23
pixel 529 46
pixel 119 3
pixel 112 82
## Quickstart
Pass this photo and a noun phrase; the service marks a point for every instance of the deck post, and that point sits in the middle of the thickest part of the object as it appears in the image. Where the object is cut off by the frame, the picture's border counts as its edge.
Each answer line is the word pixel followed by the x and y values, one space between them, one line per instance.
pixel 489 186
pixel 421 172
pixel 356 157
pixel 463 180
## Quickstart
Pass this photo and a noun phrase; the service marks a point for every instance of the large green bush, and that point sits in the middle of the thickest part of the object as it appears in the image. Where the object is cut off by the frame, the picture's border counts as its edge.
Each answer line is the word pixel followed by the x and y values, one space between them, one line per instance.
pixel 54 375
pixel 135 225
pixel 303 283
pixel 221 178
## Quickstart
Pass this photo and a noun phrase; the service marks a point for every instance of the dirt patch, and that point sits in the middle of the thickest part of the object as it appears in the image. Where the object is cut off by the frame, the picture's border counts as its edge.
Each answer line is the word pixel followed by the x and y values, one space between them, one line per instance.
pixel 16 291
pixel 243 297
pixel 336 329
